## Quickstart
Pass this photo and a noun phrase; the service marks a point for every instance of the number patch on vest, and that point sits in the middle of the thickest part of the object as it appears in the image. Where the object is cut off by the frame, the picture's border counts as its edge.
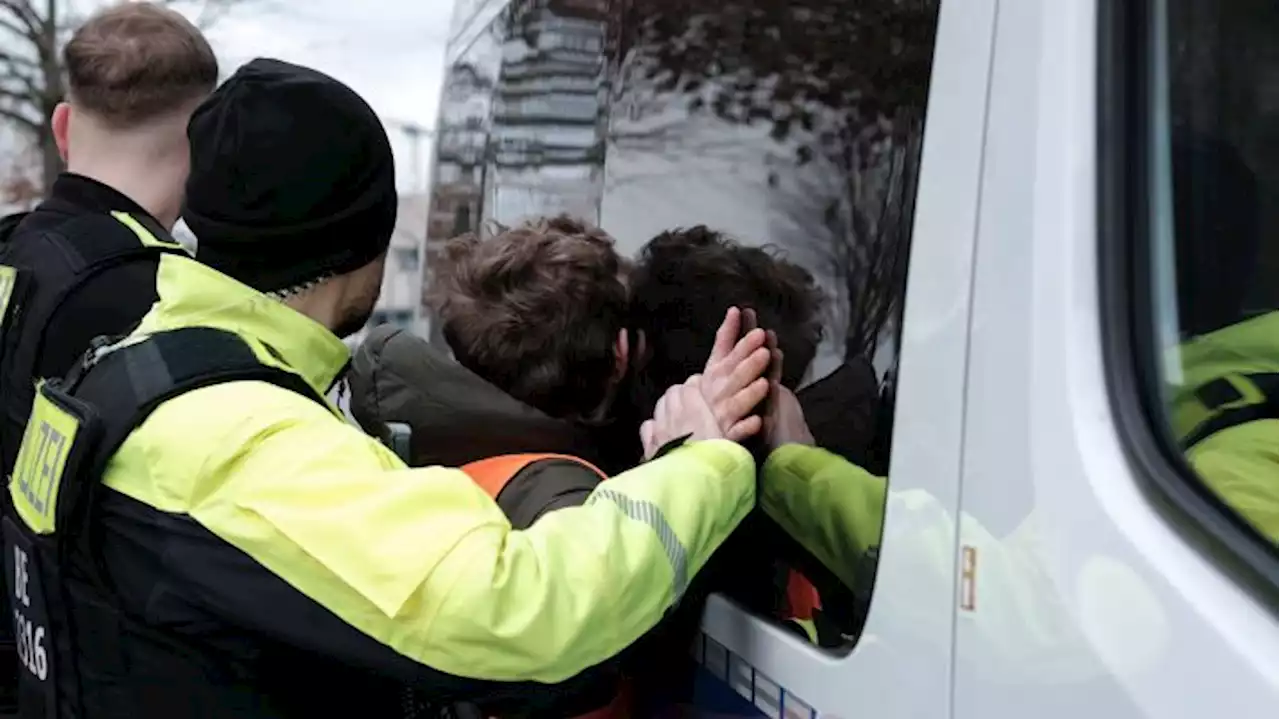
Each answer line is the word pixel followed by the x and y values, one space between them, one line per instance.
pixel 37 475
pixel 30 622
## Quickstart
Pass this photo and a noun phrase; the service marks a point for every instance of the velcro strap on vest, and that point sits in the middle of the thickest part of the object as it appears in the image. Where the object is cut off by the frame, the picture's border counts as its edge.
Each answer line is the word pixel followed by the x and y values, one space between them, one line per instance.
pixel 1228 406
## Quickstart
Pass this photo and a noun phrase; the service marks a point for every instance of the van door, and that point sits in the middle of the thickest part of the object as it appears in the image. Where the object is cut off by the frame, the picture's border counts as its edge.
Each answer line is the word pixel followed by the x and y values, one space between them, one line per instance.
pixel 846 137
pixel 900 664
pixel 1124 293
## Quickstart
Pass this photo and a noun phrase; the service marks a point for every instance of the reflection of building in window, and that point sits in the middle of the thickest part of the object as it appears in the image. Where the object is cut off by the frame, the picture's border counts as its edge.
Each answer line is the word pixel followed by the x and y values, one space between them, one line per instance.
pixel 402 277
pixel 548 127
pixel 457 178
pixel 521 128
pixel 460 149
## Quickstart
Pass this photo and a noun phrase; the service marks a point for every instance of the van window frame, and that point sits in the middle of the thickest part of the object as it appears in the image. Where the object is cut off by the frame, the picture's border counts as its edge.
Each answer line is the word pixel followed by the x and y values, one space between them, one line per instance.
pixel 1126 35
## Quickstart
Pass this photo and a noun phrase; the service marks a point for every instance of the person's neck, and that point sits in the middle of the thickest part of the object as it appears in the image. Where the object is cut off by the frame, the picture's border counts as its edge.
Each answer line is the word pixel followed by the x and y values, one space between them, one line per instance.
pixel 321 303
pixel 156 187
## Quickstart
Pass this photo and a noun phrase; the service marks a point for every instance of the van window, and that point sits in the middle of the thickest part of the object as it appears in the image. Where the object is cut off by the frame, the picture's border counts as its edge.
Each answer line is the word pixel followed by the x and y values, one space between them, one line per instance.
pixel 1214 249
pixel 791 130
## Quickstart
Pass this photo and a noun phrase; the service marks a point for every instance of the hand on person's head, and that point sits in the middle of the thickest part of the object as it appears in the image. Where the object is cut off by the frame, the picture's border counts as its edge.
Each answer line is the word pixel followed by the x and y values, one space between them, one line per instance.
pixel 785 423
pixel 733 380
pixel 683 411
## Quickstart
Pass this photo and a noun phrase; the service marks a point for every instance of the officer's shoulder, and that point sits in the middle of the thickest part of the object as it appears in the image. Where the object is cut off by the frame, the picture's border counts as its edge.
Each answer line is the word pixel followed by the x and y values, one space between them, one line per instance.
pixel 79 227
pixel 238 407
pixel 97 227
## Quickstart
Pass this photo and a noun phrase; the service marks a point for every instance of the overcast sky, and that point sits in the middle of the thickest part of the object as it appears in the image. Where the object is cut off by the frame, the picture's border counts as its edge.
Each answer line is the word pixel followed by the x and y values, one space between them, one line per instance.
pixel 389 51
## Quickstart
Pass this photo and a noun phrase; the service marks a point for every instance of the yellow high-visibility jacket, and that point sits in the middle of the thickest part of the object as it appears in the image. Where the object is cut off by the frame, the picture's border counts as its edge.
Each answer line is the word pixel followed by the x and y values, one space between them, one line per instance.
pixel 247 476
pixel 1237 460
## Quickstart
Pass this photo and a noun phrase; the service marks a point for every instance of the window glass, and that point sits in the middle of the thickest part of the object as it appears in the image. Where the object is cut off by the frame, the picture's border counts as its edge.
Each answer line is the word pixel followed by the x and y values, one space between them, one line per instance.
pixel 796 126
pixel 1214 219
pixel 546 112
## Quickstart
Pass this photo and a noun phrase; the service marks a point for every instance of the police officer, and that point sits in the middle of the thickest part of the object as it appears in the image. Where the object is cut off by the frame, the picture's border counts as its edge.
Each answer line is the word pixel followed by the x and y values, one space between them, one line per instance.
pixel 135 73
pixel 200 534
pixel 83 262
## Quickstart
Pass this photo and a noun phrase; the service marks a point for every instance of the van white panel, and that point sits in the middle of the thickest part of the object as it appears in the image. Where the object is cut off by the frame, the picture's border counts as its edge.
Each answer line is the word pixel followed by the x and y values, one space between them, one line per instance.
pixel 1089 600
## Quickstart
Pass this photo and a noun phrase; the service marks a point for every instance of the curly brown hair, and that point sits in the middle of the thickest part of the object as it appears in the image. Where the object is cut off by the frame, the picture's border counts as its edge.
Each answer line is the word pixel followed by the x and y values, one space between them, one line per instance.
pixel 685 280
pixel 535 310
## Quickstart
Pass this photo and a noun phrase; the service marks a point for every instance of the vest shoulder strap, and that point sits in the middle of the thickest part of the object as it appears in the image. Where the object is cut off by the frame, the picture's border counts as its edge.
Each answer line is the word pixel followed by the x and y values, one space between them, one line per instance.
pixel 125 383
pixel 36 289
pixel 1229 407
pixel 150 242
pixel 493 473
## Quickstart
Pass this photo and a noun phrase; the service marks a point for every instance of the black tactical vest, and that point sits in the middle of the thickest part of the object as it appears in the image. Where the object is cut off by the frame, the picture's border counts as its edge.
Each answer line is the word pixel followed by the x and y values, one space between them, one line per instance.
pixel 37 275
pixel 84 654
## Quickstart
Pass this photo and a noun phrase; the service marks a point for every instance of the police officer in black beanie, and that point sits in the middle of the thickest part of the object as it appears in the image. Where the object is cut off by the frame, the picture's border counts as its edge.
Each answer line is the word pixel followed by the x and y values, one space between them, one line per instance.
pixel 292 183
pixel 249 553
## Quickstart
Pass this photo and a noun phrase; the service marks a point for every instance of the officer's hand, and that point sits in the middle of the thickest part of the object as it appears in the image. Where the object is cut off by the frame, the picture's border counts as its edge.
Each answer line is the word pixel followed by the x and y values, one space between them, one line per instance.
pixel 785 423
pixel 683 411
pixel 732 381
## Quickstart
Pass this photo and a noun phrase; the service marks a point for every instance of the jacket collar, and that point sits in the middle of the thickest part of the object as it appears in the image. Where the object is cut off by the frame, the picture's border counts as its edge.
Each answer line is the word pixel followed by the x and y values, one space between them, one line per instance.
pixel 458 417
pixel 195 295
pixel 86 193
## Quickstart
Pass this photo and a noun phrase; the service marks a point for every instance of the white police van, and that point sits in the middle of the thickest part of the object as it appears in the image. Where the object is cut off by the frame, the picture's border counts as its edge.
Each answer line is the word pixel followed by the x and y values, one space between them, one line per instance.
pixel 994 194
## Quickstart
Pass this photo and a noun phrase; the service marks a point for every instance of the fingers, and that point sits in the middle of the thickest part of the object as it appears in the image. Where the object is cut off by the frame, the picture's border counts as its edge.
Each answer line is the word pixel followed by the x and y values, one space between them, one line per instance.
pixel 662 410
pixel 745 429
pixel 742 403
pixel 728 348
pixel 752 341
pixel 675 402
pixel 748 371
pixel 646 438
pixel 726 336
pixel 775 364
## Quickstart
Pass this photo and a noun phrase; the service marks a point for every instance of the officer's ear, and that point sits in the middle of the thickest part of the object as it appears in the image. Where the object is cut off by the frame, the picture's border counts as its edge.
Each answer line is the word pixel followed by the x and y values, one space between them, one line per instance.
pixel 61 122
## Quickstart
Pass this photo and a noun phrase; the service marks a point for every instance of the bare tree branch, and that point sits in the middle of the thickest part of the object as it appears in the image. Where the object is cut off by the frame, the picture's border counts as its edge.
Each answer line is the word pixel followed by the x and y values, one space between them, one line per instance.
pixel 14 28
pixel 17 118
pixel 31 72
pixel 21 70
pixel 28 22
pixel 18 60
pixel 15 95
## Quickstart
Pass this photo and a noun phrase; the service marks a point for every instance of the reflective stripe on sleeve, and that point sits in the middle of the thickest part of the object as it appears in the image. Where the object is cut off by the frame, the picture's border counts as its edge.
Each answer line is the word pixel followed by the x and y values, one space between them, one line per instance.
pixel 650 514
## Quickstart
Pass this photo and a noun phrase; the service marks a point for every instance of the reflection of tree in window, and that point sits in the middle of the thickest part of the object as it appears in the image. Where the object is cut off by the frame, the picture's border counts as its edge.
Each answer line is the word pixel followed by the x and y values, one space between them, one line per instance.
pixel 841 84
pixel 799 125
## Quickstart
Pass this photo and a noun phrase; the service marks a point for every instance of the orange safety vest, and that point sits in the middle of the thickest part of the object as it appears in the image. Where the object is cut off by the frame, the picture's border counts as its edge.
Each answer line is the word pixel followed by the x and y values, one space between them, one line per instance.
pixel 492 475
